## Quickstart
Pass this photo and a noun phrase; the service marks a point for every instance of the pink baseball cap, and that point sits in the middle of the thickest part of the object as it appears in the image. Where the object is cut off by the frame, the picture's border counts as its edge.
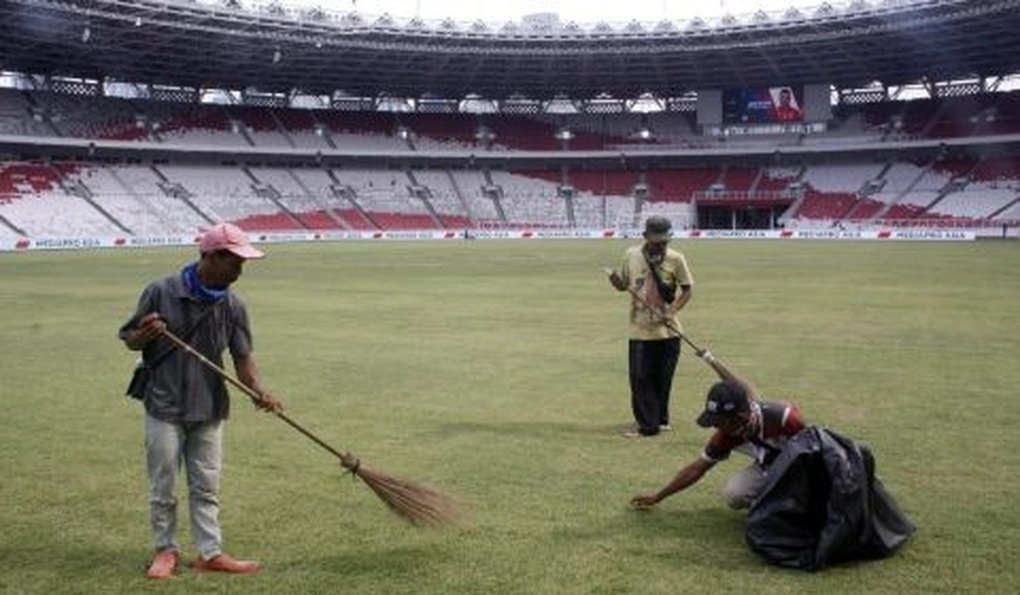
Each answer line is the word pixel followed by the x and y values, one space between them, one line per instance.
pixel 226 236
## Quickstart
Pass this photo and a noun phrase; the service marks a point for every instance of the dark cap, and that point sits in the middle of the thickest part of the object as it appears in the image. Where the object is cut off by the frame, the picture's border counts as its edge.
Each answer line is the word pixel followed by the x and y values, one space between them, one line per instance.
pixel 658 229
pixel 724 399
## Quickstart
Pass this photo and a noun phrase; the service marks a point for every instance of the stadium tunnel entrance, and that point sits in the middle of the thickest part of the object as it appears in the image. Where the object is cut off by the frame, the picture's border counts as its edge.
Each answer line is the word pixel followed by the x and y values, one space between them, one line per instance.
pixel 746 216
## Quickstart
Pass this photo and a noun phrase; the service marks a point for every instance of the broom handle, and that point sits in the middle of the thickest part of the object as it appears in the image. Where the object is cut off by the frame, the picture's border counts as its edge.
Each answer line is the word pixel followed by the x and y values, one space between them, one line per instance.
pixel 669 323
pixel 248 391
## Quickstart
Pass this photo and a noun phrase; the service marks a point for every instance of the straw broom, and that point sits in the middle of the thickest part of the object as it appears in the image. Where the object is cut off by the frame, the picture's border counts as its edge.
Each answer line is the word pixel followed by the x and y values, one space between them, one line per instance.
pixel 420 505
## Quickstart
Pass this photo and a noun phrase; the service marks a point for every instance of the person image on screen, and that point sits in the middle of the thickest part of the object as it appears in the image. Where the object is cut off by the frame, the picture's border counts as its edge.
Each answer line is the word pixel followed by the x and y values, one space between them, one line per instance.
pixel 786 110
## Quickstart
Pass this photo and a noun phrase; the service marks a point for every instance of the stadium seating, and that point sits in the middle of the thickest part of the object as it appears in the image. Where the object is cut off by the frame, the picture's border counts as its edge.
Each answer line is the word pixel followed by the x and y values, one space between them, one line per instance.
pixel 19 117
pixel 443 196
pixel 1010 214
pixel 442 131
pixel 98 117
pixel 200 125
pixel 955 167
pixel 267 222
pixel 619 212
pixel 603 183
pixel 521 133
pixel 53 114
pixel 900 177
pixel 302 128
pixel 529 201
pixel 184 197
pixel 679 185
pixel 932 179
pixel 222 193
pixel 34 199
pixel 135 212
pixel 1003 117
pixel 308 208
pixel 995 169
pixel 776 179
pixel 739 179
pixel 841 178
pixel 680 213
pixel 978 201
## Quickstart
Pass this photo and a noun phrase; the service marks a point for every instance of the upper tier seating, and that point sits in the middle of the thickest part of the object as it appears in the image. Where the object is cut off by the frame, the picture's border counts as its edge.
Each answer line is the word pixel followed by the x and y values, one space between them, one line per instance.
pixel 841 178
pixel 40 113
pixel 605 183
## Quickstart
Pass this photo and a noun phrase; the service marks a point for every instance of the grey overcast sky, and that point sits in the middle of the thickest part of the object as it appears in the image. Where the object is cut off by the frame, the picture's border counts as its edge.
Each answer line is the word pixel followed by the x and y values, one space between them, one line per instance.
pixel 580 11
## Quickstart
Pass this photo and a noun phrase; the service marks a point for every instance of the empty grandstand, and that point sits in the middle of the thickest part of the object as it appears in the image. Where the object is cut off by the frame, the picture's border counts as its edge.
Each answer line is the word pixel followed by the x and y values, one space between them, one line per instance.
pixel 156 117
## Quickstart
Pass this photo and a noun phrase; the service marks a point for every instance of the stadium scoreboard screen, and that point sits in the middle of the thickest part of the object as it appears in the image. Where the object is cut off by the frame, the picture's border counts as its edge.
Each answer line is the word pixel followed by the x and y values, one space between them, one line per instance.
pixel 763 105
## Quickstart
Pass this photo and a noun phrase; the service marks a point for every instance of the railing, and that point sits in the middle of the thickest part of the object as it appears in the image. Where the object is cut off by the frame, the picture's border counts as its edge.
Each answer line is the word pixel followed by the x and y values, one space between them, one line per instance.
pixel 744 195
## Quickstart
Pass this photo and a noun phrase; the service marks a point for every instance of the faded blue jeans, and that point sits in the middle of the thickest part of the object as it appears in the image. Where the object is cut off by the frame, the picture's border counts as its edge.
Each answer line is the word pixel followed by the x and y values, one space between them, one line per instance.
pixel 745 486
pixel 199 447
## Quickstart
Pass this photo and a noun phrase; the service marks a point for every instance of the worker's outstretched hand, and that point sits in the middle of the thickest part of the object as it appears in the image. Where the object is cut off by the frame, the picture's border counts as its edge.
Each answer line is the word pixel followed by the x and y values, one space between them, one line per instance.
pixel 642 501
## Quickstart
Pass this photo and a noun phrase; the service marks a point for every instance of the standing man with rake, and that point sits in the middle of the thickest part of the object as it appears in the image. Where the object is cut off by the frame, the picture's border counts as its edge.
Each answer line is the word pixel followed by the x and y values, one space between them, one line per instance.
pixel 660 274
pixel 186 404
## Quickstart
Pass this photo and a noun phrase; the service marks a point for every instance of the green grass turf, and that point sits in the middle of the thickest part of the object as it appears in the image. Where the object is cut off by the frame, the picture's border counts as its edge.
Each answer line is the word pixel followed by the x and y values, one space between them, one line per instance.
pixel 496 371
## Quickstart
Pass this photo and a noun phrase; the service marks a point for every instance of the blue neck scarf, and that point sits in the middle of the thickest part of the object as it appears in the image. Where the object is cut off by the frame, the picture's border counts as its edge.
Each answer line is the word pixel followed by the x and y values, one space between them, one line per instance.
pixel 189 275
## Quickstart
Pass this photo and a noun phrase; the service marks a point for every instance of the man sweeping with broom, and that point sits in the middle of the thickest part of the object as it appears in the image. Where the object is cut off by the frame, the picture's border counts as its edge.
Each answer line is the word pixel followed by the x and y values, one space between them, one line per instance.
pixel 186 404
pixel 182 325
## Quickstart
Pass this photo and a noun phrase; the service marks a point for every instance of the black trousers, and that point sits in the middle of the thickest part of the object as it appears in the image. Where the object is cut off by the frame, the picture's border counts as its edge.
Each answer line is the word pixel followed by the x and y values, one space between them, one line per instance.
pixel 652 364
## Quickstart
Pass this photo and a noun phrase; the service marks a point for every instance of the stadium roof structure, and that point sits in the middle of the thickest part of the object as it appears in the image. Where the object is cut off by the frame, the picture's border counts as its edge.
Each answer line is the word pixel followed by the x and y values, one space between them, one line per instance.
pixel 280 50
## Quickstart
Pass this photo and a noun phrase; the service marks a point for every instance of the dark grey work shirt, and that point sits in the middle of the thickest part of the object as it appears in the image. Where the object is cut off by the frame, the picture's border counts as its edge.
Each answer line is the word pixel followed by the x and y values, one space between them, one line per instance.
pixel 181 388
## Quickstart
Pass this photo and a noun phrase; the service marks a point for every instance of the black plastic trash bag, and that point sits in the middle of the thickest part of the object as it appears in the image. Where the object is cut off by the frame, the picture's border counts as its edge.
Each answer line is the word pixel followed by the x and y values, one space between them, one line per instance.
pixel 823 505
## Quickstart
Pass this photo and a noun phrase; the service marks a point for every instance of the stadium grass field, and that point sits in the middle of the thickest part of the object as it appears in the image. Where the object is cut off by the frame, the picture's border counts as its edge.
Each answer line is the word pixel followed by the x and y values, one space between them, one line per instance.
pixel 496 371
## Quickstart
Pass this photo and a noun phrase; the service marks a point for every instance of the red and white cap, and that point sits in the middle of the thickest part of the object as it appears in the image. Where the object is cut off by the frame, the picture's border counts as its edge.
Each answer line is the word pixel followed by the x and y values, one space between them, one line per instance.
pixel 226 236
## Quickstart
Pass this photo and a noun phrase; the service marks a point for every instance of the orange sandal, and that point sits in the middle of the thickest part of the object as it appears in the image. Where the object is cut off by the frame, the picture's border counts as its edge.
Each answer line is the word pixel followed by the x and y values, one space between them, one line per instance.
pixel 163 565
pixel 224 563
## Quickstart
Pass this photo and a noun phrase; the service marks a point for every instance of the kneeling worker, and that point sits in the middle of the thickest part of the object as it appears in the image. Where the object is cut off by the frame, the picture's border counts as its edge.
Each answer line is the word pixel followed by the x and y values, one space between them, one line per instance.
pixel 743 423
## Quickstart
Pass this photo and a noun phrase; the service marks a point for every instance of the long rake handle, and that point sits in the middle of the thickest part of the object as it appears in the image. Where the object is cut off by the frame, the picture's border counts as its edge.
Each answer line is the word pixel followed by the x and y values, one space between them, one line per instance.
pixel 669 323
pixel 251 393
